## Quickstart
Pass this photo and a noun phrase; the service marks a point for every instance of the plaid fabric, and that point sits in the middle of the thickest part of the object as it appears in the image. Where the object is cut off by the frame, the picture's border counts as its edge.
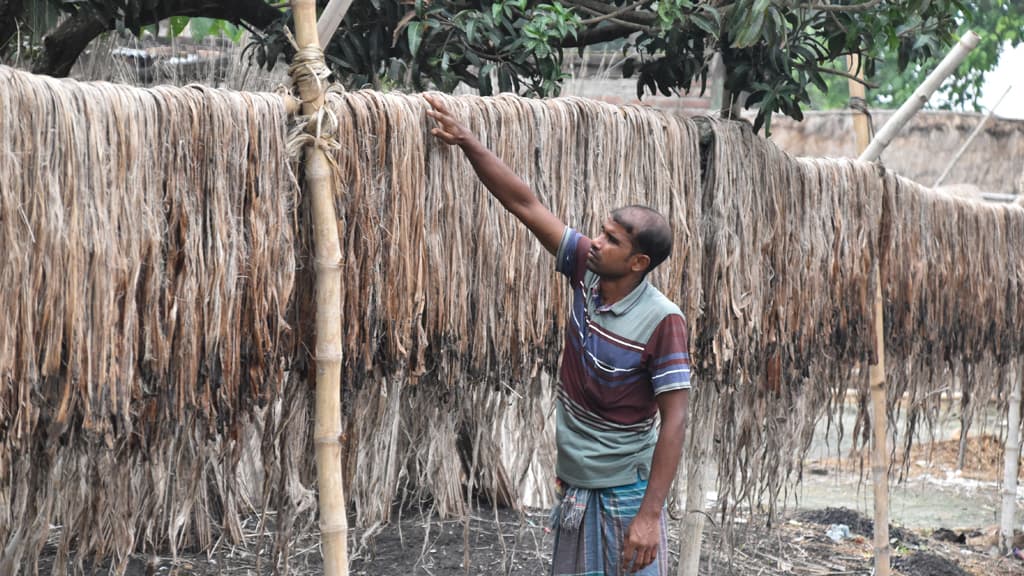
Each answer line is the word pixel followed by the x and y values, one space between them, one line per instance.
pixel 591 545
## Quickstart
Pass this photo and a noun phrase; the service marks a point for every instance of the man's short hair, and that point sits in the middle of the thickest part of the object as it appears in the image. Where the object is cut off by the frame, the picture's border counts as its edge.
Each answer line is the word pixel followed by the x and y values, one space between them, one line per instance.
pixel 648 231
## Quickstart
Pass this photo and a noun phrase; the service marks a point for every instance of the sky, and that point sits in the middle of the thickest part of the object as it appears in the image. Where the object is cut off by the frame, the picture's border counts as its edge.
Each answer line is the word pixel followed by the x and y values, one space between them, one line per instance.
pixel 1010 72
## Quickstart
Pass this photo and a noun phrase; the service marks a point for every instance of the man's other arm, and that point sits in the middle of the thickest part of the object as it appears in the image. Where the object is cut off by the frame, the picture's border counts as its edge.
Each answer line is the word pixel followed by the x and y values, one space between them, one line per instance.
pixel 504 184
pixel 640 547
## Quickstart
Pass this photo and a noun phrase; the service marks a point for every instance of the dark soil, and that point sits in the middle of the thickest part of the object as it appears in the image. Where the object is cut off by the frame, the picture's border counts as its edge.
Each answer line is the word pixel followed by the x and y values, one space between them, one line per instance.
pixel 925 564
pixel 510 543
pixel 857 522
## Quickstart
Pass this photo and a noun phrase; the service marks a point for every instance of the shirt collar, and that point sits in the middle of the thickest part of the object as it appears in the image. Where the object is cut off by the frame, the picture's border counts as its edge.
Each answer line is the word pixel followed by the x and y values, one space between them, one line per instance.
pixel 624 305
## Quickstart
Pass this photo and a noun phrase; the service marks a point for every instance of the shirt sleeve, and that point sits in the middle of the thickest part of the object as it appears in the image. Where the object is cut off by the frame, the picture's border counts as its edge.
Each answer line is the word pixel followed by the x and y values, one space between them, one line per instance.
pixel 668 356
pixel 571 259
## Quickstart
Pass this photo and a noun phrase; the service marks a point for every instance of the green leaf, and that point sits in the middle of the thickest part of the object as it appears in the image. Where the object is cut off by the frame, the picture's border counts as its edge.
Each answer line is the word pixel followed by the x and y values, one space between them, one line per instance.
pixel 705 23
pixel 750 29
pixel 415 30
pixel 178 24
pixel 496 9
pixel 628 67
pixel 233 32
pixel 203 27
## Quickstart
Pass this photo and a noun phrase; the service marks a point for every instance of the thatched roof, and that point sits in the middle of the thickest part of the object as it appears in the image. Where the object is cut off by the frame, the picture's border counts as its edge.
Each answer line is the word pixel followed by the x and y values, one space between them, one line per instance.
pixel 994 162
pixel 152 282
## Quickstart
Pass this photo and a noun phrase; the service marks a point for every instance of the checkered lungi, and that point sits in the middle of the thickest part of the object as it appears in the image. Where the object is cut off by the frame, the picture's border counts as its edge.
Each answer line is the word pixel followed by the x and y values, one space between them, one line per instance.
pixel 589 527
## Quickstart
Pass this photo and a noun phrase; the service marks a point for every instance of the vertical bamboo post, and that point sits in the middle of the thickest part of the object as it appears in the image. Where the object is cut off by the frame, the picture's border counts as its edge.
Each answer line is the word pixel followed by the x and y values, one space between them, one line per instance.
pixel 327 254
pixel 869 153
pixel 879 420
pixel 1011 463
pixel 691 527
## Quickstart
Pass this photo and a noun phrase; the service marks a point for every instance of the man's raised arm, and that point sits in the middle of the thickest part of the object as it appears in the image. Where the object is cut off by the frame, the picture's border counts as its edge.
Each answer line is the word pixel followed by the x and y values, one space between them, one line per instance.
pixel 502 182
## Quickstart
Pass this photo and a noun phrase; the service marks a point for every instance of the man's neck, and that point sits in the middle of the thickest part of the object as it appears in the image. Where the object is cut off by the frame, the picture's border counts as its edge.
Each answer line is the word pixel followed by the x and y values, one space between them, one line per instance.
pixel 613 290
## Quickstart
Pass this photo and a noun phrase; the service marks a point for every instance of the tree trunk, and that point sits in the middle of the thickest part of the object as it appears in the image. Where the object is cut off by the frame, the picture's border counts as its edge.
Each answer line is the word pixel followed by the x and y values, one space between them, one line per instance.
pixel 63 46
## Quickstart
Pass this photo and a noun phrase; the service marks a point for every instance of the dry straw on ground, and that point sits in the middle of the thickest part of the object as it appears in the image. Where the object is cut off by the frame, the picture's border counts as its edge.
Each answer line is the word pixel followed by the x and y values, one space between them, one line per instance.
pixel 151 240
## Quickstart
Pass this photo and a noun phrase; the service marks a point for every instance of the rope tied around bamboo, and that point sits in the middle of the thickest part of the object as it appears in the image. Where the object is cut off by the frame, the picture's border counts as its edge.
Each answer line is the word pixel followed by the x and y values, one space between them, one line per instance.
pixel 319 129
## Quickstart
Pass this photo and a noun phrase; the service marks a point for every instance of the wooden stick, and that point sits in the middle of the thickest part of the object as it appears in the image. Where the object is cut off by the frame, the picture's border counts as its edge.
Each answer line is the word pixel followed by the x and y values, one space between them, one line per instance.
pixel 948 65
pixel 330 19
pixel 691 527
pixel 1011 454
pixel 327 251
pixel 879 421
pixel 292 105
pixel 974 133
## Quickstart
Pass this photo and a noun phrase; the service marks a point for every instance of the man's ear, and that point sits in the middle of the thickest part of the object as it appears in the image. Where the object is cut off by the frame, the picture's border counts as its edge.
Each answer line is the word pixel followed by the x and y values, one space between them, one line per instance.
pixel 639 262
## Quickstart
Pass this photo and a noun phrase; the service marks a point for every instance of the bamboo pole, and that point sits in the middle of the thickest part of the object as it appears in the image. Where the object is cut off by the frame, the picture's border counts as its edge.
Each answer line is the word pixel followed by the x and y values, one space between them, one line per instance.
pixel 691 526
pixel 331 18
pixel 879 420
pixel 292 105
pixel 327 251
pixel 1011 463
pixel 967 144
pixel 870 152
pixel 948 65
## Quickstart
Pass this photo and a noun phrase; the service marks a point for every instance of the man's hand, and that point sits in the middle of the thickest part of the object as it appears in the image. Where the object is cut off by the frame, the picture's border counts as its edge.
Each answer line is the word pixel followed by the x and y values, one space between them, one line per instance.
pixel 448 129
pixel 640 546
pixel 508 188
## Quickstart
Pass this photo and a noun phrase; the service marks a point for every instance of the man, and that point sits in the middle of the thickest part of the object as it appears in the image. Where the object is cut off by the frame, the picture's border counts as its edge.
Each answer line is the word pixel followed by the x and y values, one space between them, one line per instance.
pixel 625 363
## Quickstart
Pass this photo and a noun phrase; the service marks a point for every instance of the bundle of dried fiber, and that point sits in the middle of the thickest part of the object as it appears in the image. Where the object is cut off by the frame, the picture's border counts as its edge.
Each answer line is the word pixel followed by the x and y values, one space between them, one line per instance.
pixel 146 262
pixel 953 275
pixel 788 251
pixel 443 288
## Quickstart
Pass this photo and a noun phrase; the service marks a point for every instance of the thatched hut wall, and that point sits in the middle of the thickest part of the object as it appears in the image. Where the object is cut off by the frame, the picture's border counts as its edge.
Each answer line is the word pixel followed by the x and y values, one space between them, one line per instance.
pixel 149 287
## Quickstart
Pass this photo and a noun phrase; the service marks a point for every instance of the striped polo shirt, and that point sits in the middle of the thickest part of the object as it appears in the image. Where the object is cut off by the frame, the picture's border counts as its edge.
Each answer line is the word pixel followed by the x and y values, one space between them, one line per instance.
pixel 616 359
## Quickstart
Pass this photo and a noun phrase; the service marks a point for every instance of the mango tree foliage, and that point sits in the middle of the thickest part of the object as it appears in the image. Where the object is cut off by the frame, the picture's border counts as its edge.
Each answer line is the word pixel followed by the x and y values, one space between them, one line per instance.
pixel 999 24
pixel 773 50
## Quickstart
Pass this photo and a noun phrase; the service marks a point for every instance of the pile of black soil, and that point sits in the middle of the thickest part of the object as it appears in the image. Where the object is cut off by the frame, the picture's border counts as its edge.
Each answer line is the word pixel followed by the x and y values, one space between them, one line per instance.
pixel 857 522
pixel 925 564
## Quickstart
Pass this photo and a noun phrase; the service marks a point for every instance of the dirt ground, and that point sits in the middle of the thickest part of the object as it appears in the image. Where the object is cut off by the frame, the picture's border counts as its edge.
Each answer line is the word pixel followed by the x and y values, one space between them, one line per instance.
pixel 506 542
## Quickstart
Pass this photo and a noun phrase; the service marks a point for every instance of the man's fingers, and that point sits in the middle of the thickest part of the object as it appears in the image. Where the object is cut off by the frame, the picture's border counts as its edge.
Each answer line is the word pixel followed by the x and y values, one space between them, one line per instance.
pixel 436 103
pixel 629 558
pixel 648 558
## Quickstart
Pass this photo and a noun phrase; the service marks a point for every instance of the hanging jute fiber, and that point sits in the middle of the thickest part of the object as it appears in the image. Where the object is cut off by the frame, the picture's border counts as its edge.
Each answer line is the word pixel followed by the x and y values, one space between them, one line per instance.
pixel 146 263
pixel 157 285
pixel 786 327
pixel 454 316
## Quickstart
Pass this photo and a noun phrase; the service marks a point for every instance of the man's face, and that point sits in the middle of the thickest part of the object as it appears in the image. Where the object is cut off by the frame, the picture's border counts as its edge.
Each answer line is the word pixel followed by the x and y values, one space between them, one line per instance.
pixel 611 253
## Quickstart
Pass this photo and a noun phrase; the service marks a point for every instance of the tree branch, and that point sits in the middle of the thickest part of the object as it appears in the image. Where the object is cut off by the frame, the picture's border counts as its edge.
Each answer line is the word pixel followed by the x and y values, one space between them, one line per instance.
pixel 616 13
pixel 637 17
pixel 620 22
pixel 864 7
pixel 846 75
pixel 10 15
pixel 63 46
pixel 603 32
